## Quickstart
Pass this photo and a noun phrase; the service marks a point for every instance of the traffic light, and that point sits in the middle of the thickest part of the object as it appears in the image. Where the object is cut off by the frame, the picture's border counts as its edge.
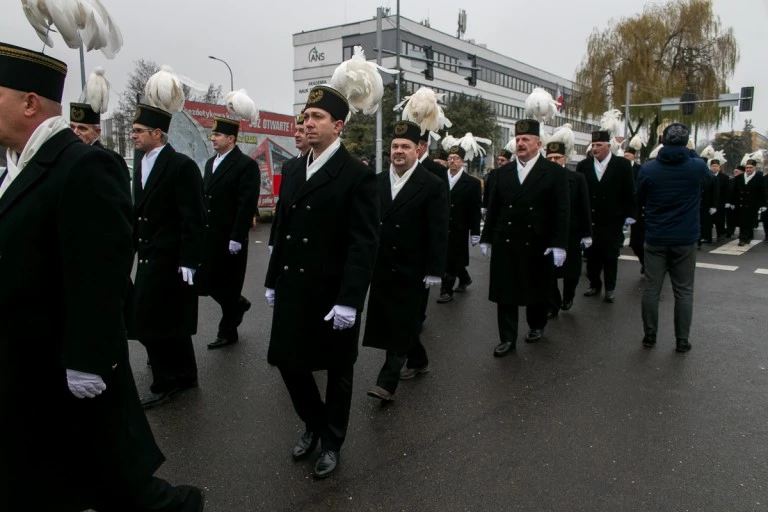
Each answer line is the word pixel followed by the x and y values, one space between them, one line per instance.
pixel 472 78
pixel 429 54
pixel 688 108
pixel 745 99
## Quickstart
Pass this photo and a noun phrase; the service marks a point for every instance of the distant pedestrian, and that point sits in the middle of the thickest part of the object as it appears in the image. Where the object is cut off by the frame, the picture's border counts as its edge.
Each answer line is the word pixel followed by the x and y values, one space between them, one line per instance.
pixel 669 188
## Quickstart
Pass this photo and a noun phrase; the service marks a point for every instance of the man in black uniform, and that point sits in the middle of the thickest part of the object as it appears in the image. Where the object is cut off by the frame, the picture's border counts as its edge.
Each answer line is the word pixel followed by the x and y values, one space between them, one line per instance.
pixel 168 232
pixel 637 231
pixel 579 233
pixel 326 241
pixel 612 200
pixel 74 434
pixel 749 200
pixel 465 202
pixel 412 251
pixel 230 195
pixel 722 183
pixel 731 220
pixel 86 123
pixel 527 226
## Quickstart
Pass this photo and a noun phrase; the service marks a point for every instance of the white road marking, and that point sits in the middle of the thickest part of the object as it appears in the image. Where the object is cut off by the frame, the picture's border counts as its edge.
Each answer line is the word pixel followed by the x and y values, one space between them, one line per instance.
pixel 762 271
pixel 729 268
pixel 629 258
pixel 732 248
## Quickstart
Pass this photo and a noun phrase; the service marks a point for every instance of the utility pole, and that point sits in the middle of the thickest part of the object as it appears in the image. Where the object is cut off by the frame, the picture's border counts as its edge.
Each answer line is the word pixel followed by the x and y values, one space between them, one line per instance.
pixel 397 65
pixel 379 15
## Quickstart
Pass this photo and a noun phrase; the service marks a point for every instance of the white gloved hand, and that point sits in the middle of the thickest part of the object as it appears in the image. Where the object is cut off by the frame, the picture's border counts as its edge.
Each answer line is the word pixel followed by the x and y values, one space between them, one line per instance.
pixel 727 205
pixel 485 250
pixel 629 221
pixel 557 254
pixel 431 281
pixel 474 240
pixel 270 249
pixel 733 207
pixel 762 209
pixel 712 211
pixel 187 274
pixel 85 385
pixel 483 211
pixel 343 317
pixel 586 242
pixel 234 247
pixel 270 295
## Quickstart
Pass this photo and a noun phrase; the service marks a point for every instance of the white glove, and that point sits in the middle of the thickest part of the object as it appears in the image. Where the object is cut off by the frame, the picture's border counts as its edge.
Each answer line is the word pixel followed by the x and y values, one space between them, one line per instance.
pixel 586 242
pixel 343 317
pixel 733 207
pixel 431 281
pixel 85 385
pixel 762 209
pixel 474 239
pixel 187 274
pixel 485 250
pixel 727 205
pixel 234 247
pixel 270 295
pixel 629 221
pixel 270 249
pixel 483 211
pixel 558 255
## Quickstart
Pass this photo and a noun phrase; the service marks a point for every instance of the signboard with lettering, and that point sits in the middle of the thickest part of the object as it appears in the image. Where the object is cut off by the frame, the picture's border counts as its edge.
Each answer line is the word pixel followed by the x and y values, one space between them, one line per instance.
pixel 326 53
pixel 302 87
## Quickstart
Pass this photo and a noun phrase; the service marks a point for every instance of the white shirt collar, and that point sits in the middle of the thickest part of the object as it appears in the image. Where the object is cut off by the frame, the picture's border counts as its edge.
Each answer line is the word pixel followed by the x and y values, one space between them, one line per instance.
pixel 320 161
pixel 423 157
pixel 219 158
pixel 398 182
pixel 748 177
pixel 148 162
pixel 523 169
pixel 452 180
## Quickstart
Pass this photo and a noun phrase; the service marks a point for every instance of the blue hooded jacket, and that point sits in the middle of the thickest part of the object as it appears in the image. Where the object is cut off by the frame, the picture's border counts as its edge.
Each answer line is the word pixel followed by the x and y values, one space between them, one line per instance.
pixel 669 188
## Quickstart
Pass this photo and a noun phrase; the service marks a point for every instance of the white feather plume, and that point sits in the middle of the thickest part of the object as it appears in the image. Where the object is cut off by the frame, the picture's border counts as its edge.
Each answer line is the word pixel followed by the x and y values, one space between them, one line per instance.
pixel 756 156
pixel 655 151
pixel 708 153
pixel 85 22
pixel 164 90
pixel 471 145
pixel 511 146
pixel 611 121
pixel 637 142
pixel 616 147
pixel 719 155
pixel 241 106
pixel 448 142
pixel 565 135
pixel 423 109
pixel 540 105
pixel 360 82
pixel 96 92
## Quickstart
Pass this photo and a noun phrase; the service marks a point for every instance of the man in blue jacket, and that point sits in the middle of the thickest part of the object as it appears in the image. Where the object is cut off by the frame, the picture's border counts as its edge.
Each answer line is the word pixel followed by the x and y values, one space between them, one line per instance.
pixel 669 188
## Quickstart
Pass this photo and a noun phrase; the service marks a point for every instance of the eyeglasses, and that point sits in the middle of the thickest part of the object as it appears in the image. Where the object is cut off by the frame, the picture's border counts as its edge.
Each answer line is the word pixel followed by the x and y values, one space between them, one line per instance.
pixel 137 131
pixel 454 157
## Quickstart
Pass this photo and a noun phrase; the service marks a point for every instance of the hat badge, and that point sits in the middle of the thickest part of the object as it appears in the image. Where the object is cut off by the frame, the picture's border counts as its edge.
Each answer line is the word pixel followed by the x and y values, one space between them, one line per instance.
pixel 315 96
pixel 78 114
pixel 138 114
pixel 401 128
pixel 454 149
pixel 215 126
pixel 522 126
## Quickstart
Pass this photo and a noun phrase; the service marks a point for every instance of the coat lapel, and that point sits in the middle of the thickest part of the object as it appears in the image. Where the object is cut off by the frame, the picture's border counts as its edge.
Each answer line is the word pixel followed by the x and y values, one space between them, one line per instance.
pixel 229 161
pixel 609 171
pixel 154 176
pixel 324 175
pixel 36 168
pixel 385 191
pixel 536 174
pixel 414 185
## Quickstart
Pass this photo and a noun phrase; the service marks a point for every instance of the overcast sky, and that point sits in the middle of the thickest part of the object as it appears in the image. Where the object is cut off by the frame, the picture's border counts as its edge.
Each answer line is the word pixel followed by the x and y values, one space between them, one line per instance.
pixel 254 37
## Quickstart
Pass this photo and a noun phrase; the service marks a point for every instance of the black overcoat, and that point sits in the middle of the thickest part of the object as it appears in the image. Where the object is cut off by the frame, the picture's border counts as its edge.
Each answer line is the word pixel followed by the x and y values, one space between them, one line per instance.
pixel 463 219
pixel 294 163
pixel 522 221
pixel 119 158
pixel 438 170
pixel 748 198
pixel 168 232
pixel 326 240
pixel 723 190
pixel 612 201
pixel 65 264
pixel 579 225
pixel 230 198
pixel 413 244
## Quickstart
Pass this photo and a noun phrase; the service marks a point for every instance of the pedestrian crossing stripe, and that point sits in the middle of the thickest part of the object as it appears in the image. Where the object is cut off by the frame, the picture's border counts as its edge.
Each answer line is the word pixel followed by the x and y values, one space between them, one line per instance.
pixel 729 268
pixel 762 271
pixel 732 248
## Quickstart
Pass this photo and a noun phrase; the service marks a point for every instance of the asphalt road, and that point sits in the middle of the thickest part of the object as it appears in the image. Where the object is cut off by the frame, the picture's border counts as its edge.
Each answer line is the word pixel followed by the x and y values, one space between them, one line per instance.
pixel 584 420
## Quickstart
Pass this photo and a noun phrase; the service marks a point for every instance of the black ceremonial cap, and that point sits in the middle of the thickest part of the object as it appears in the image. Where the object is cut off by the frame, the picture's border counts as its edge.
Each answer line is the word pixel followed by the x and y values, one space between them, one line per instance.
pixel 225 126
pixel 631 151
pixel 424 137
pixel 300 118
pixel 556 148
pixel 328 99
pixel 506 154
pixel 527 127
pixel 83 113
pixel 152 117
pixel 406 130
pixel 714 161
pixel 457 150
pixel 601 136
pixel 27 71
pixel 751 162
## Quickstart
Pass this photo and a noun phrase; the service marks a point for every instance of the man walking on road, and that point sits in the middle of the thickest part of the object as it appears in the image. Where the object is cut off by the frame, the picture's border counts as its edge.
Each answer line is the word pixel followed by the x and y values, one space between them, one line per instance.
pixel 669 188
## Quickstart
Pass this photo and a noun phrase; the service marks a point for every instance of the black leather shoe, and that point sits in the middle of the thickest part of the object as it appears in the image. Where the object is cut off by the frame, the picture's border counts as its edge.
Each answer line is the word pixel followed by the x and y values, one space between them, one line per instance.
pixel 503 349
pixel 610 296
pixel 591 292
pixel 552 313
pixel 742 244
pixel 305 445
pixel 195 499
pixel 463 286
pixel 245 305
pixel 567 304
pixel 683 346
pixel 221 342
pixel 157 399
pixel 326 464
pixel 534 335
pixel 649 341
pixel 444 297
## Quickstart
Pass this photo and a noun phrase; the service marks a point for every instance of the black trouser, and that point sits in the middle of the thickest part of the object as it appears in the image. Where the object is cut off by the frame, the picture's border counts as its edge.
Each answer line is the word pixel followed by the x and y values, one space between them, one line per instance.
pixel 507 320
pixel 423 305
pixel 173 362
pixel 449 279
pixel 731 222
pixel 389 375
pixel 706 225
pixel 747 222
pixel 569 292
pixel 153 494
pixel 232 307
pixel 597 262
pixel 718 220
pixel 329 419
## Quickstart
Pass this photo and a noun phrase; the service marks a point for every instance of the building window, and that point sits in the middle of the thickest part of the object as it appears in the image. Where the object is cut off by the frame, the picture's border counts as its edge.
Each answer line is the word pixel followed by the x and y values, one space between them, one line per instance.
pixel 348 51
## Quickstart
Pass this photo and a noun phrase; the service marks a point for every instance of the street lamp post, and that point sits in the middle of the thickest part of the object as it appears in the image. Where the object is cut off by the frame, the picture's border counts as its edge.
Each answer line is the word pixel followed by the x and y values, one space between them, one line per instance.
pixel 231 77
